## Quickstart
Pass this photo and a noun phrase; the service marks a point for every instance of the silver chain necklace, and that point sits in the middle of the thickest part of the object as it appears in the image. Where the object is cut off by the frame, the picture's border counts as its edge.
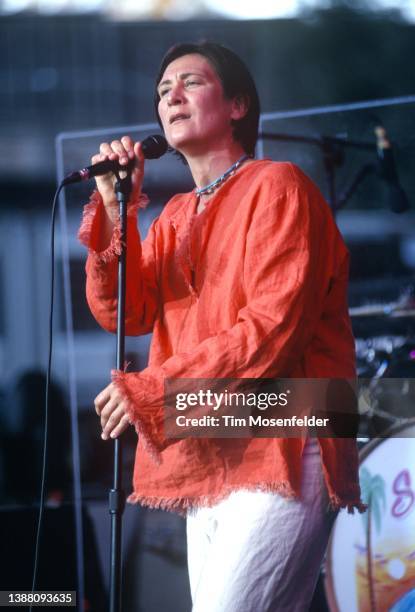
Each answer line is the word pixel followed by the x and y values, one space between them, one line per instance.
pixel 217 182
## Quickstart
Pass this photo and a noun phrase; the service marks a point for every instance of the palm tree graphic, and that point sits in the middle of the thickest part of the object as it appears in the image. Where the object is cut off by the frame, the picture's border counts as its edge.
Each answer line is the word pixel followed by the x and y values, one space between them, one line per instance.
pixel 373 494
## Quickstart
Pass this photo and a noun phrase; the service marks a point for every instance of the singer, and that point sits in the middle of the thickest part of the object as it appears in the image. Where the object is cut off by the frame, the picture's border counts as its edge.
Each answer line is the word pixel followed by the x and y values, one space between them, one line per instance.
pixel 243 277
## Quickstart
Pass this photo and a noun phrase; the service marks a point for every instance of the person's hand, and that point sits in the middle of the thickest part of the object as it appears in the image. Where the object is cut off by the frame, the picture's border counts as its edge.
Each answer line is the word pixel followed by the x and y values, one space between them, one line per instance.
pixel 124 150
pixel 110 406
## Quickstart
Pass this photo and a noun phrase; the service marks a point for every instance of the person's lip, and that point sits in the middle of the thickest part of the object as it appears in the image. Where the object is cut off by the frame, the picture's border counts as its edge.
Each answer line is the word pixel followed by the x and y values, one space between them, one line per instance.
pixel 178 117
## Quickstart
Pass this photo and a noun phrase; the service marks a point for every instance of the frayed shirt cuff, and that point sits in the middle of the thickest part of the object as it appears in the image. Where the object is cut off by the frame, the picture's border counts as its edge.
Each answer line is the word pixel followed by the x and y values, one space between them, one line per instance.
pixel 147 420
pixel 91 219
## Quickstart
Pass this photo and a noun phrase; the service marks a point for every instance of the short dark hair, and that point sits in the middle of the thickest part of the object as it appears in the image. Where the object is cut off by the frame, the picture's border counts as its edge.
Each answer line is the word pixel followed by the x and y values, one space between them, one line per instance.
pixel 236 81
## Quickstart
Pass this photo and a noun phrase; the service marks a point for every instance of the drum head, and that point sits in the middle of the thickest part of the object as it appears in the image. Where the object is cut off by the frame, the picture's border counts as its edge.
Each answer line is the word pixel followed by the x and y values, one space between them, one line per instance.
pixel 371 556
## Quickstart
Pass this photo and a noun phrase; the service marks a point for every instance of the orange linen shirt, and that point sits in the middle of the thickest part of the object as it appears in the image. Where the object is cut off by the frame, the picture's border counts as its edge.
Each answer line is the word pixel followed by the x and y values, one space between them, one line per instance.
pixel 254 286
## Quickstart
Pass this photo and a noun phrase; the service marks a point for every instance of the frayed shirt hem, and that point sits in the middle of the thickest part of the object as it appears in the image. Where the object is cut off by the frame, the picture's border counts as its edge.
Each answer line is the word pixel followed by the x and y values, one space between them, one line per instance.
pixel 183 505
pixel 336 503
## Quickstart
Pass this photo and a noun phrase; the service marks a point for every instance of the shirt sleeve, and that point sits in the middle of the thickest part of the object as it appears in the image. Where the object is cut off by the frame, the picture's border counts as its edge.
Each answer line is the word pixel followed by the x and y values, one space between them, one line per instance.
pixel 142 295
pixel 286 275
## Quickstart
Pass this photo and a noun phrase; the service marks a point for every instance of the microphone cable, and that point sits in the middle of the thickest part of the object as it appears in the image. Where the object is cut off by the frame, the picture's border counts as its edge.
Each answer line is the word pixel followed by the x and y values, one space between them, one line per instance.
pixel 47 388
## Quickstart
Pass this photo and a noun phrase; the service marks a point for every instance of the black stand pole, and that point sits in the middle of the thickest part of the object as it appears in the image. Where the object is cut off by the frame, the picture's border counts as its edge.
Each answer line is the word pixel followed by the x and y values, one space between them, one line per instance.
pixel 117 495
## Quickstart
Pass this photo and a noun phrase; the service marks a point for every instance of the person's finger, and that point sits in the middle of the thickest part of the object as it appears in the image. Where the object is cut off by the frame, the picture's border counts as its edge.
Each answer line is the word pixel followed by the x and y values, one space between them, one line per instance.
pixel 121 427
pixel 138 151
pixel 113 400
pixel 119 149
pixel 97 158
pixel 113 420
pixel 139 164
pixel 105 149
pixel 128 145
pixel 108 410
pixel 102 398
pixel 138 169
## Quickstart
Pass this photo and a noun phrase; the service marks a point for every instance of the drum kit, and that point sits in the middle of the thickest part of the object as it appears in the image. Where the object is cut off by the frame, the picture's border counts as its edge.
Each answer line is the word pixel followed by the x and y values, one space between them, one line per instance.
pixel 370 565
pixel 386 366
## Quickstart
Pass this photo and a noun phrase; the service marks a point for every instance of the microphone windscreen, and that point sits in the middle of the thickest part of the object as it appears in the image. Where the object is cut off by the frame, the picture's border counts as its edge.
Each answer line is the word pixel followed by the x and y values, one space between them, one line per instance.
pixel 154 146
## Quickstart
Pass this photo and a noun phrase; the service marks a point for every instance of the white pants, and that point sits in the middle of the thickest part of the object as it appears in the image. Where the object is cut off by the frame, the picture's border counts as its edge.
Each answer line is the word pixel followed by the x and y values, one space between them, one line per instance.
pixel 261 552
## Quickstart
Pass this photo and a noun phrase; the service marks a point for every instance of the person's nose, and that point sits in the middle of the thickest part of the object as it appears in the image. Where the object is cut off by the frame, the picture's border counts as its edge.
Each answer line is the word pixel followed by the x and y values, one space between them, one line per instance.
pixel 176 94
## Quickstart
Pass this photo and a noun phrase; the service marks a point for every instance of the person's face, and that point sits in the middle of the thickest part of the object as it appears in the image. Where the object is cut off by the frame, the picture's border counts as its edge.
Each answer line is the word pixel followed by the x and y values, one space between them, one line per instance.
pixel 193 110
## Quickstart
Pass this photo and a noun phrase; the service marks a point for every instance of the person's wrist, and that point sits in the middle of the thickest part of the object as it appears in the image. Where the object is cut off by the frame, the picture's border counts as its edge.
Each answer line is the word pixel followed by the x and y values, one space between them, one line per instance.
pixel 110 203
pixel 112 209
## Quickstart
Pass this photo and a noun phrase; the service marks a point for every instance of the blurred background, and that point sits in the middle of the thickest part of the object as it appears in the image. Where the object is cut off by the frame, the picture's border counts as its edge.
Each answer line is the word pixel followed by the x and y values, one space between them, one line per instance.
pixel 329 72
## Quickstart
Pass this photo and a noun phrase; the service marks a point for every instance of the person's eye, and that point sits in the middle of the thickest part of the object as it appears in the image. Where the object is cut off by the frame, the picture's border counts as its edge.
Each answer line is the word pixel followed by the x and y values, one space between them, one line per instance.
pixel 192 82
pixel 163 92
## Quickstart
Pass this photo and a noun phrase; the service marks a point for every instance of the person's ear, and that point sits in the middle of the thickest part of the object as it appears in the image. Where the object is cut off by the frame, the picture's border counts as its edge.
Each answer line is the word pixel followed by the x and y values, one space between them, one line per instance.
pixel 240 106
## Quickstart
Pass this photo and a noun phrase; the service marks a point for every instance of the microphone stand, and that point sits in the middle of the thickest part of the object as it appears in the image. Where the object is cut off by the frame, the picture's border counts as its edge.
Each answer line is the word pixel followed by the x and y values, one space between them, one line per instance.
pixel 117 495
pixel 153 148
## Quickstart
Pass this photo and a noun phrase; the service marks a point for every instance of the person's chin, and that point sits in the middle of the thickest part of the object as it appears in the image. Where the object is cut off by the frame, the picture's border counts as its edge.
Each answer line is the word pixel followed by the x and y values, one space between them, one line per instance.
pixel 181 143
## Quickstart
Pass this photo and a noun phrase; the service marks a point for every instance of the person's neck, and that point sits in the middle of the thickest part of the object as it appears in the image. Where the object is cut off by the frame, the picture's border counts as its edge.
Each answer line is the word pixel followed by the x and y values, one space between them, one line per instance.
pixel 207 167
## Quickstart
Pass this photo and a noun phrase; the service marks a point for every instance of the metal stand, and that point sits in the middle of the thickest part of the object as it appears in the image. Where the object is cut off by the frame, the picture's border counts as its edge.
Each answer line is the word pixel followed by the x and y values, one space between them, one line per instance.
pixel 117 495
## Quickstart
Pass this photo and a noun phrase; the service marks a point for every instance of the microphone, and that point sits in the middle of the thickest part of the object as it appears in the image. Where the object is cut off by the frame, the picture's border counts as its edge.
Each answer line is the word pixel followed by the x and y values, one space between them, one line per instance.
pixel 397 199
pixel 153 147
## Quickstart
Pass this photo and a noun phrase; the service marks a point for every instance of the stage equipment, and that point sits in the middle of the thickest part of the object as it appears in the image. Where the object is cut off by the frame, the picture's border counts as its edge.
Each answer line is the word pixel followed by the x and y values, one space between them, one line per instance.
pixel 333 152
pixel 371 556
